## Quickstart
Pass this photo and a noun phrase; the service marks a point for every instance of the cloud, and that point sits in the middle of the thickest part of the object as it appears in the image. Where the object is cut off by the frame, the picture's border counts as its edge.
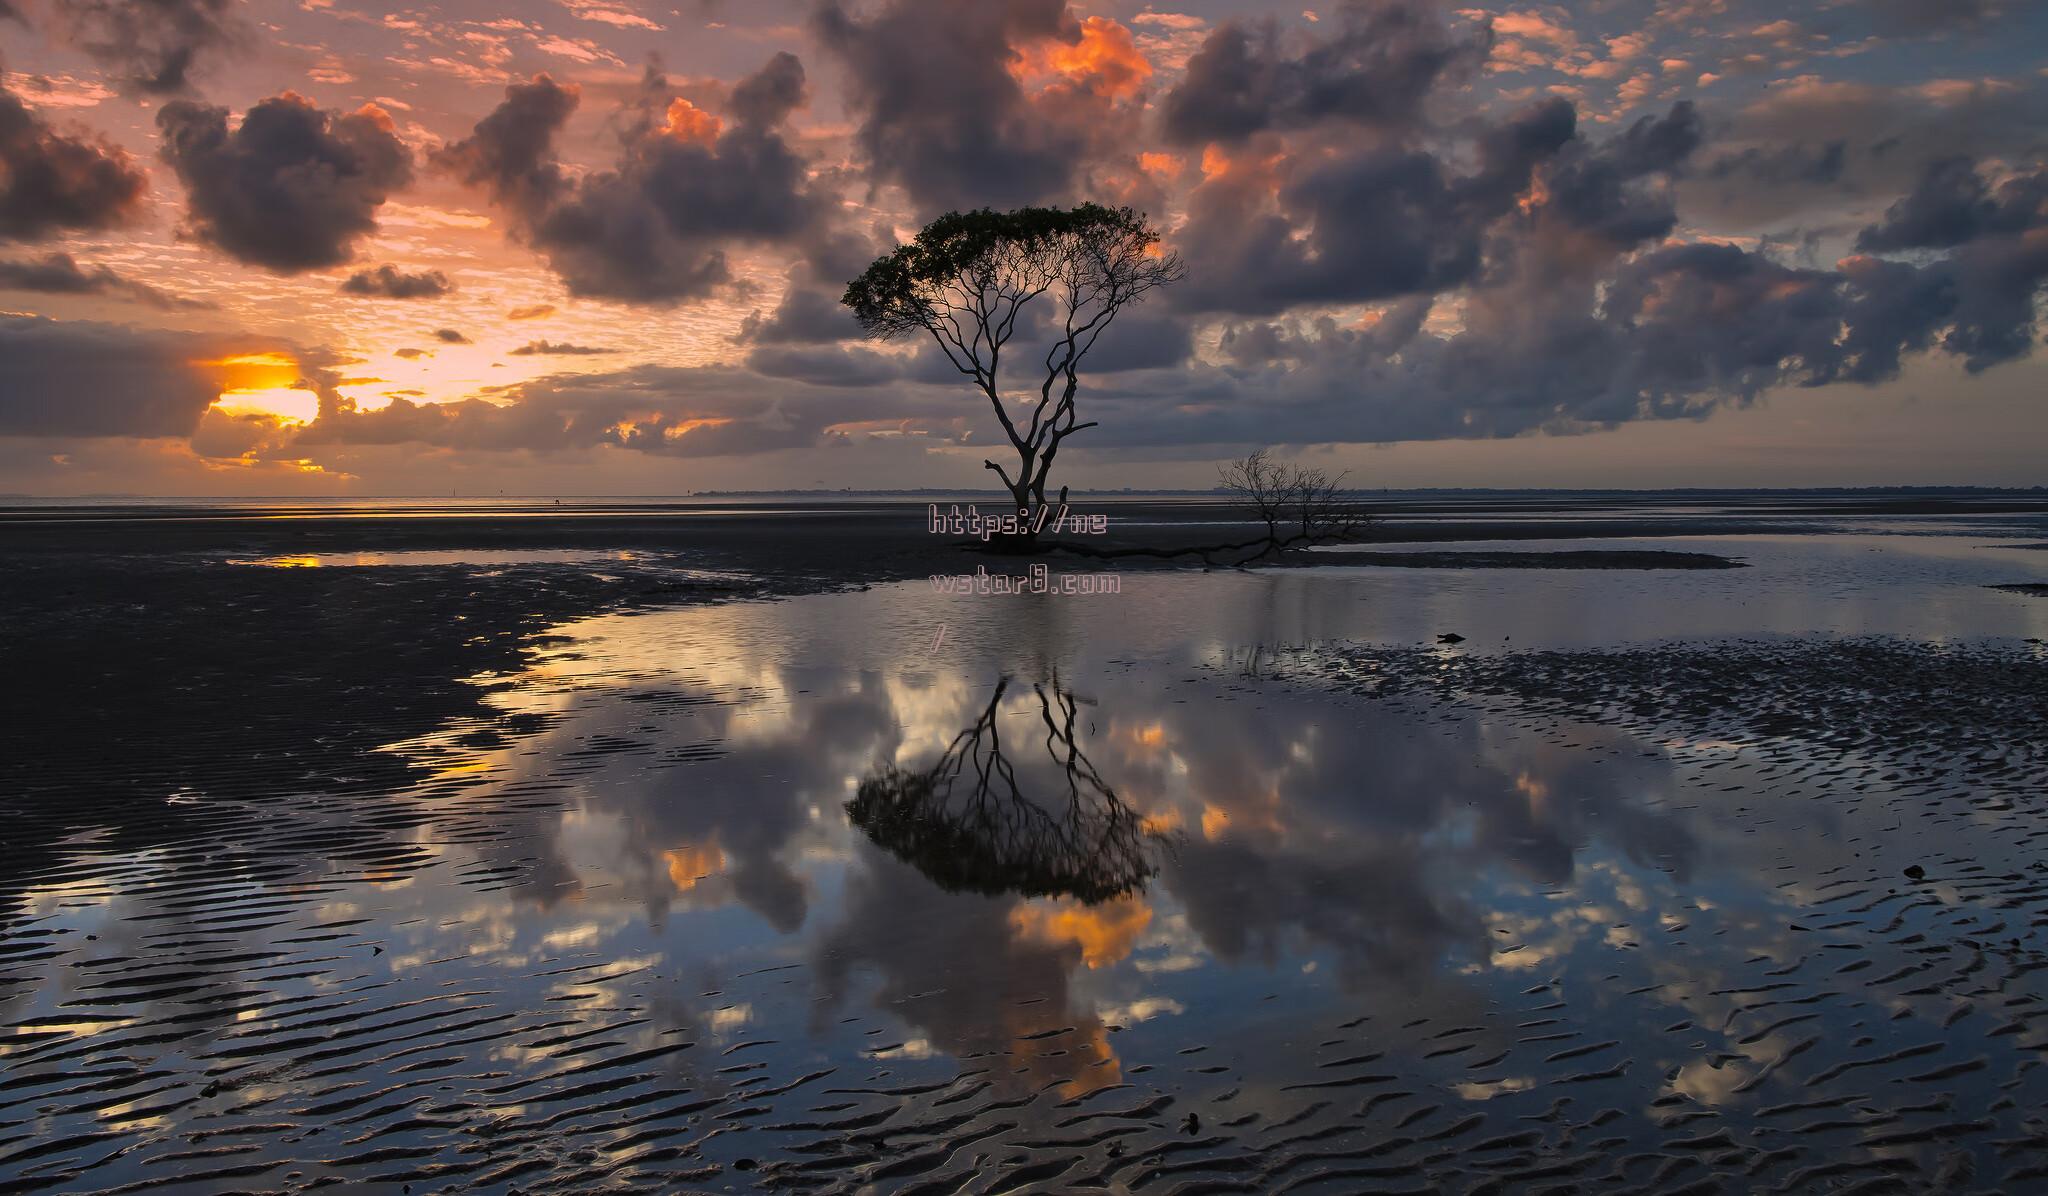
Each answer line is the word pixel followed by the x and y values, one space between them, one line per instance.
pixel 1923 18
pixel 51 182
pixel 1381 59
pixel 1269 231
pixel 1673 332
pixel 656 227
pixel 153 44
pixel 1953 204
pixel 60 274
pixel 1809 147
pixel 555 349
pixel 75 378
pixel 449 336
pixel 809 312
pixel 810 399
pixel 389 282
pixel 536 311
pixel 293 188
pixel 945 115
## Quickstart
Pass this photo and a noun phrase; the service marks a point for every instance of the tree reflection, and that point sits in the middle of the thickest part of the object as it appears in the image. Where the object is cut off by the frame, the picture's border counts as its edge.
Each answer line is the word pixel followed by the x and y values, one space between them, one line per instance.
pixel 970 824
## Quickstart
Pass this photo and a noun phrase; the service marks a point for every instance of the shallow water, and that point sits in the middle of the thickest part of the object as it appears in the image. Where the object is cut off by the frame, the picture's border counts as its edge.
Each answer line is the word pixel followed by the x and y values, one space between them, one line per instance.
pixel 945 893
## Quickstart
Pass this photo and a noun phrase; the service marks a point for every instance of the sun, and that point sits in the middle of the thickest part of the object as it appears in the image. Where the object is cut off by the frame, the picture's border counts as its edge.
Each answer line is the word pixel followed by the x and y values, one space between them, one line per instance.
pixel 289 403
pixel 264 384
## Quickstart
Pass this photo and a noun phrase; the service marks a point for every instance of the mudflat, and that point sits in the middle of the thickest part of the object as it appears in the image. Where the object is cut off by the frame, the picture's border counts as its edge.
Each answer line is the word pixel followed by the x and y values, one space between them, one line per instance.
pixel 643 847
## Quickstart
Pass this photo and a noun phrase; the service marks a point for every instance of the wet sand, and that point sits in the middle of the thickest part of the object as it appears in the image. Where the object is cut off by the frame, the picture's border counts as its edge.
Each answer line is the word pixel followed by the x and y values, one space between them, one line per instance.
pixel 586 876
pixel 1612 559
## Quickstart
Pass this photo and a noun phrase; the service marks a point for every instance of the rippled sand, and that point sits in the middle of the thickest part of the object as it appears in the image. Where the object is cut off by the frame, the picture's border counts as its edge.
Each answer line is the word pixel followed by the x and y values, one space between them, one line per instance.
pixel 1233 882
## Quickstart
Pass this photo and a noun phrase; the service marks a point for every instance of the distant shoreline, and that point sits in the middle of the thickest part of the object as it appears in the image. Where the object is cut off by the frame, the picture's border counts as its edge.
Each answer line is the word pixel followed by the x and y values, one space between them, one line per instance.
pixel 936 493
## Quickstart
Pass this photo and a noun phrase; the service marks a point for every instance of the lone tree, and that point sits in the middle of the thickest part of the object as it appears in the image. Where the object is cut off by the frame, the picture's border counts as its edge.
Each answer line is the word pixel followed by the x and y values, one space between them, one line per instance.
pixel 966 279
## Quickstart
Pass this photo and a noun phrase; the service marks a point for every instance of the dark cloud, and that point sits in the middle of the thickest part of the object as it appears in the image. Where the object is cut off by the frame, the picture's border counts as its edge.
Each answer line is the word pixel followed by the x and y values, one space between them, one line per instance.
pixel 51 182
pixel 1378 63
pixel 701 411
pixel 511 152
pixel 1996 286
pixel 655 228
pixel 293 188
pixel 1393 219
pixel 1953 204
pixel 389 282
pixel 809 312
pixel 546 348
pixel 153 45
pixel 1921 18
pixel 1796 163
pixel 60 274
pixel 766 98
pixel 806 315
pixel 1601 190
pixel 822 366
pixel 1672 332
pixel 449 336
pixel 943 115
pixel 75 378
pixel 1808 148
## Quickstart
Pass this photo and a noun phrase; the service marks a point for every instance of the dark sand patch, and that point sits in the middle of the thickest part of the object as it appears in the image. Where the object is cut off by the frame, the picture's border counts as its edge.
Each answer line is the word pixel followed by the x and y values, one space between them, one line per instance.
pixel 1572 559
pixel 2032 589
pixel 1897 697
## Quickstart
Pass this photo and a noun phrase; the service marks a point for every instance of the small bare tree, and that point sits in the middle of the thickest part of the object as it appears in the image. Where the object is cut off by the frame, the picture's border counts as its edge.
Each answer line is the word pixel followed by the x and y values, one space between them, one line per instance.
pixel 1298 504
pixel 967 278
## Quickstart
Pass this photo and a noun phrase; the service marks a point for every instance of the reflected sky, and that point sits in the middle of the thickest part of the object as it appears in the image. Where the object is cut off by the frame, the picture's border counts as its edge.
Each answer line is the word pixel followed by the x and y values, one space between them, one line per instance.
pixel 1079 846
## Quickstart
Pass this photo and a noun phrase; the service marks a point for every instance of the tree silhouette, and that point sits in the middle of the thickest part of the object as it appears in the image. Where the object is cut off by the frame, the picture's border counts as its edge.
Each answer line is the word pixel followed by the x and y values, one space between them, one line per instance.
pixel 967 278
pixel 970 825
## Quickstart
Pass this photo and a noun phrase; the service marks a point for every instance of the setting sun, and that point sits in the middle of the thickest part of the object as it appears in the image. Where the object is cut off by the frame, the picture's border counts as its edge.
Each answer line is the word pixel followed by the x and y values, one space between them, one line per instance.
pixel 290 403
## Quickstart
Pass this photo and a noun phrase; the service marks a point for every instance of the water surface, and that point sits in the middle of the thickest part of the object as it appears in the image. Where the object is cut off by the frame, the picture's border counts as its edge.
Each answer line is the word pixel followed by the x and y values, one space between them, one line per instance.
pixel 896 890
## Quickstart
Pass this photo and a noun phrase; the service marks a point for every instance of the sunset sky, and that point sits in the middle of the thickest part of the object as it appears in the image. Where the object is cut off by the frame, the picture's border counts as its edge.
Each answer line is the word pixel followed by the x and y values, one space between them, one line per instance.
pixel 596 246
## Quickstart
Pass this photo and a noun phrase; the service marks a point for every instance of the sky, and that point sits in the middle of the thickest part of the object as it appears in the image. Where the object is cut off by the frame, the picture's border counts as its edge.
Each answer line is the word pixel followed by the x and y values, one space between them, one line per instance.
pixel 596 246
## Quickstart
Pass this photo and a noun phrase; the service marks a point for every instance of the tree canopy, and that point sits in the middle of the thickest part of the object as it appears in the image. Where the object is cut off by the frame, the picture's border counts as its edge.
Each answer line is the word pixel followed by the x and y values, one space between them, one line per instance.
pixel 968 276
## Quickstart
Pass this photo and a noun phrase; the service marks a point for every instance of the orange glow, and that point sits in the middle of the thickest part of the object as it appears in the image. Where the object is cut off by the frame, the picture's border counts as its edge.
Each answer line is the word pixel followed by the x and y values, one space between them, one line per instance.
pixel 1108 1070
pixel 683 427
pixel 263 384
pixel 688 865
pixel 1163 166
pixel 289 403
pixel 376 114
pixel 687 122
pixel 1162 823
pixel 1105 933
pixel 1105 60
pixel 254 371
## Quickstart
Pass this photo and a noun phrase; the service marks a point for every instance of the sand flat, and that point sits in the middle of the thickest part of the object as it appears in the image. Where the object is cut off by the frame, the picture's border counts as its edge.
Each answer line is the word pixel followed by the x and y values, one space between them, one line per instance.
pixel 1657 882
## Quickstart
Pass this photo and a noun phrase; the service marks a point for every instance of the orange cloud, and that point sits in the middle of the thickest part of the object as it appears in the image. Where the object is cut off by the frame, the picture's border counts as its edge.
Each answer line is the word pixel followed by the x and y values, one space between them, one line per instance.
pixel 1105 933
pixel 687 122
pixel 1105 60
pixel 688 865
pixel 1161 166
